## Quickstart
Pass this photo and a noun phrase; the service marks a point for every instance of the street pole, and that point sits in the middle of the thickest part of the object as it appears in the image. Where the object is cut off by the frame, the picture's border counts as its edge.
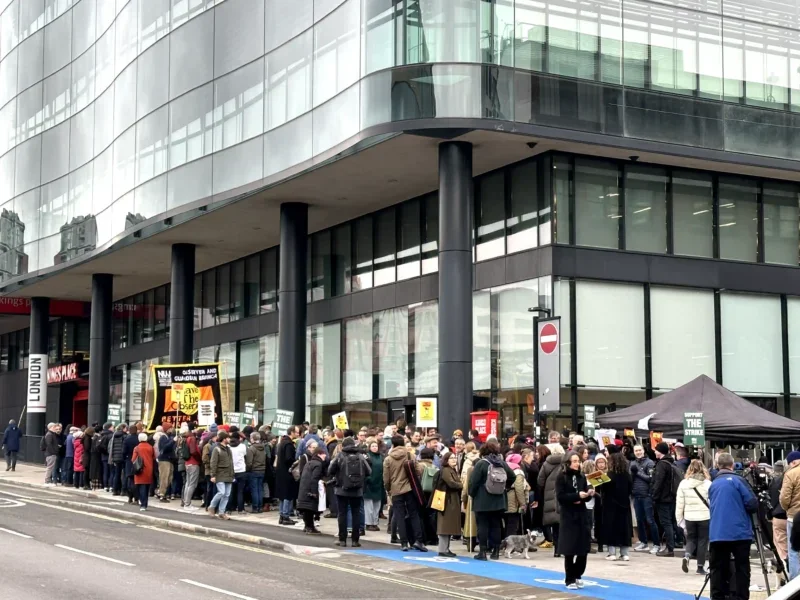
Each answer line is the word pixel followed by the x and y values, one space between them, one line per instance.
pixel 537 430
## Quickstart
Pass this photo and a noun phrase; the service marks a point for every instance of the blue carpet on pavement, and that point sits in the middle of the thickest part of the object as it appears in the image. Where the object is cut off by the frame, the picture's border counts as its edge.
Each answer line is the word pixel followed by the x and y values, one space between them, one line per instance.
pixel 604 589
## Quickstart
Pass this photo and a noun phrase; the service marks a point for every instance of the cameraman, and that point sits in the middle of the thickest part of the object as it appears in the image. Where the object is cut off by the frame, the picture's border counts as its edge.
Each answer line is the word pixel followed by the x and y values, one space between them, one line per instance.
pixel 732 503
pixel 778 513
pixel 790 501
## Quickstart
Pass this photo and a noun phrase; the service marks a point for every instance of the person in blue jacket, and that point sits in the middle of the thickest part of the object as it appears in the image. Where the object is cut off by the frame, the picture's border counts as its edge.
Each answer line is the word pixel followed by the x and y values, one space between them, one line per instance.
pixel 11 438
pixel 732 502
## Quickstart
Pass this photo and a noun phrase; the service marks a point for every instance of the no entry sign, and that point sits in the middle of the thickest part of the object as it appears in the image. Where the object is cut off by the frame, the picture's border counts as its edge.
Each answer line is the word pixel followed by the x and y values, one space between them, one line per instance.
pixel 548 338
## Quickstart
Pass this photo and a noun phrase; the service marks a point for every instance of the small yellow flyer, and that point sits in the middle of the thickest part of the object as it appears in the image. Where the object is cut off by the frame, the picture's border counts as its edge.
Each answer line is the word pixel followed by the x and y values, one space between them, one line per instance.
pixel 597 478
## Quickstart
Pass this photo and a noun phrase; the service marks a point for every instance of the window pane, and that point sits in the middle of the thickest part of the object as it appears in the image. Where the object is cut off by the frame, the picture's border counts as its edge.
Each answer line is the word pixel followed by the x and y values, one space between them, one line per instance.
pixel 597 203
pixel 692 214
pixel 31 61
pixel 423 327
pixel 250 388
pixel 379 29
pixel 515 333
pixel 391 352
pixel 148 316
pixel 646 209
pixel 341 260
pixel 238 34
pixel 336 51
pixel 209 289
pixel 752 357
pixel 198 301
pixel 152 86
pixel 288 145
pixel 160 309
pixel 490 216
pixel 285 19
pixel 152 136
pixel 321 266
pixel 610 341
pixel 239 106
pixel 738 227
pixel 252 291
pixel 442 32
pixel 190 125
pixel 289 80
pixel 239 165
pixel 781 222
pixel 362 235
pixel 269 280
pixel 269 356
pixel 793 321
pixel 223 294
pixel 237 290
pixel 384 242
pixel 430 234
pixel 482 340
pixel 561 298
pixel 57 44
pixel 323 360
pixel 521 224
pixel 560 178
pixel 189 183
pixel 682 336
pixel 191 55
pixel 357 360
pixel 409 243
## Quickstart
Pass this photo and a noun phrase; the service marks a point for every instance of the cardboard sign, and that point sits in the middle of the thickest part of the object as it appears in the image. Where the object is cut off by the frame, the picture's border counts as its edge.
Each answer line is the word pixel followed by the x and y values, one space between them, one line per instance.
pixel 282 422
pixel 205 413
pixel 340 421
pixel 234 419
pixel 629 433
pixel 250 414
pixel 656 437
pixel 597 478
pixel 426 412
pixel 589 424
pixel 605 437
pixel 694 429
pixel 115 414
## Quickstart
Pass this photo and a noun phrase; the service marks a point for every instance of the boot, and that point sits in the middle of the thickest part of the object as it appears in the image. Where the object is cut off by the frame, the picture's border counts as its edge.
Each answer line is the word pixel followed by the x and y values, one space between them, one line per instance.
pixel 404 546
pixel 395 539
pixel 481 555
pixel 495 555
pixel 420 546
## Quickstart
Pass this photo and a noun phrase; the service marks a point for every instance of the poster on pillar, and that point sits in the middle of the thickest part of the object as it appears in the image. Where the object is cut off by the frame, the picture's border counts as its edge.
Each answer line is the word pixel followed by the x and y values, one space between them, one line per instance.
pixel 37 383
pixel 178 391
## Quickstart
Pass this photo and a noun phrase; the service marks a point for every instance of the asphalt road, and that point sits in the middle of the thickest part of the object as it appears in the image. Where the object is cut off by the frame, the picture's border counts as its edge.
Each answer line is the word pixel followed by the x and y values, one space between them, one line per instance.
pixel 52 552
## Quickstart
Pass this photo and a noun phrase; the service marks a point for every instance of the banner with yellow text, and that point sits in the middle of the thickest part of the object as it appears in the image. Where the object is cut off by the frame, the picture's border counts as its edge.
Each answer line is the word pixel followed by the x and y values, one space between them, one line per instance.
pixel 179 390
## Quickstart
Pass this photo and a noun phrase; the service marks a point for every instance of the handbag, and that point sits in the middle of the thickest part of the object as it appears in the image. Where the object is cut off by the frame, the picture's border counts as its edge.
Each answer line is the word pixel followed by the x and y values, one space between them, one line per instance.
pixel 438 500
pixel 138 465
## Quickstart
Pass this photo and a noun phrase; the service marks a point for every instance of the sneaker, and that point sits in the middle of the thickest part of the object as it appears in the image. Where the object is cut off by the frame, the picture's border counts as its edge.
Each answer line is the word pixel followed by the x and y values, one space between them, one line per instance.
pixel 626 558
pixel 611 557
pixel 655 550
pixel 546 544
pixel 701 571
pixel 685 565
pixel 640 547
pixel 579 583
pixel 142 509
pixel 572 586
pixel 666 552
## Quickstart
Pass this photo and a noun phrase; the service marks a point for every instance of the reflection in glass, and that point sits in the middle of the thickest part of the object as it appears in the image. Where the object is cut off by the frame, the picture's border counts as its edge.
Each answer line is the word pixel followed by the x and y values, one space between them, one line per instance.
pixel 152 135
pixel 341 258
pixel 288 145
pixel 645 209
pixel 56 101
pixel 514 327
pixel 692 214
pixel 384 244
pixel 362 249
pixel 357 360
pixel 336 51
pixel 423 328
pixel 597 212
pixel 481 340
pixel 289 80
pixel 152 86
pixel 430 233
pixel 408 245
pixel 57 44
pixel 285 19
pixel 238 34
pixel 490 216
pixel 269 280
pixel 189 183
pixel 190 124
pixel 31 60
pixel 781 217
pixel 323 365
pixel 738 227
pixel 83 78
pixel 239 106
pixel 521 224
pixel 391 352
pixel 55 152
pixel 191 54
pixel 238 166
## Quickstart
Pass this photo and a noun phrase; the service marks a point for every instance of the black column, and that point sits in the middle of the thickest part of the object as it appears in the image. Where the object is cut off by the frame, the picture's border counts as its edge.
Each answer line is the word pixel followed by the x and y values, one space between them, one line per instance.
pixel 100 348
pixel 292 310
pixel 37 382
pixel 455 286
pixel 181 301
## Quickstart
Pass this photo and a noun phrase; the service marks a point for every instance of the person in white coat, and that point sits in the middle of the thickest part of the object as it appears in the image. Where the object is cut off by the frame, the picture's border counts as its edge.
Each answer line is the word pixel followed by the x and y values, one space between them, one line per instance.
pixel 692 507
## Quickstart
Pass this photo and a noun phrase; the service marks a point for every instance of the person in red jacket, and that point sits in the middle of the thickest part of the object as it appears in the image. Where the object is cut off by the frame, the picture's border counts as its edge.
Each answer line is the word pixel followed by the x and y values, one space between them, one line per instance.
pixel 144 479
pixel 77 460
pixel 192 458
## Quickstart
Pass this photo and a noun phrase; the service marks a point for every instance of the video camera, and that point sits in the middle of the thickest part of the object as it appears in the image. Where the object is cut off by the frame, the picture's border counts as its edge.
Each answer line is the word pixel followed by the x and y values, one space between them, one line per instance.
pixel 759 476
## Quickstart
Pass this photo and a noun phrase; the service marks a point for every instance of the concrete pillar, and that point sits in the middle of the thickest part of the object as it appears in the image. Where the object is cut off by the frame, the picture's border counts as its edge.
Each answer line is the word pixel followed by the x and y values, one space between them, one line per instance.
pixel 455 286
pixel 100 348
pixel 36 418
pixel 181 316
pixel 292 310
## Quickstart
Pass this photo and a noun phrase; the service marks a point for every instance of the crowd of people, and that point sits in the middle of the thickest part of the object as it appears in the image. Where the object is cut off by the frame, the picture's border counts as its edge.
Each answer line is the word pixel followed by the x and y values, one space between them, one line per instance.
pixel 432 490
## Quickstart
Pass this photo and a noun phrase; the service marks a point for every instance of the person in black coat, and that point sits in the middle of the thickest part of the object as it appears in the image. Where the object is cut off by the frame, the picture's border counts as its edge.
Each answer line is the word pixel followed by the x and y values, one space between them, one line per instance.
pixel 11 439
pixel 286 487
pixel 128 446
pixel 575 536
pixel 617 522
pixel 308 494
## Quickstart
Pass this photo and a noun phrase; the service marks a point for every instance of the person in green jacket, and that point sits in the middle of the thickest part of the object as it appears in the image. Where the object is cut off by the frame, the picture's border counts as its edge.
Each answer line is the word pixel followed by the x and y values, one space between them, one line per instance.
pixel 222 475
pixel 489 504
pixel 373 488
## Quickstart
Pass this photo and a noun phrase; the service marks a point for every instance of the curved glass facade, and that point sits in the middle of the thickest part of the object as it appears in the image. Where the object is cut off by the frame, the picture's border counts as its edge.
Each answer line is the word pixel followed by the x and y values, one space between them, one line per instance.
pixel 116 111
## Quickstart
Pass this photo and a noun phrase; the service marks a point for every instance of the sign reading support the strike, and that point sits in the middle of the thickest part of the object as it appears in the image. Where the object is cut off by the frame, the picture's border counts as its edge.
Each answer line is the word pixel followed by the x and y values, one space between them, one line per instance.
pixel 588 421
pixel 548 338
pixel 37 388
pixel 548 364
pixel 694 429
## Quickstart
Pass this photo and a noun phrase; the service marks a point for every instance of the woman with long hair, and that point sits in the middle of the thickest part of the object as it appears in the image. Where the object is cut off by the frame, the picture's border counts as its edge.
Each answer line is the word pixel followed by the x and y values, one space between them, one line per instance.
pixel 574 540
pixel 448 521
pixel 547 496
pixel 692 506
pixel 617 521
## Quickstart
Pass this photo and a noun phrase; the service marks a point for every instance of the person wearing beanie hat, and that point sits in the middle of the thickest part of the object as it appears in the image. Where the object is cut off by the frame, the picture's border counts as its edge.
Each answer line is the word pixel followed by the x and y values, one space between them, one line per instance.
pixel 790 501
pixel 213 428
pixel 666 479
pixel 517 496
pixel 353 469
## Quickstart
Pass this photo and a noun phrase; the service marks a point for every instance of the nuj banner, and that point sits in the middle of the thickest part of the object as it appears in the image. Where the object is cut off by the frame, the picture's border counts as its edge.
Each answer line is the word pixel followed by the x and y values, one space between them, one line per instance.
pixel 179 390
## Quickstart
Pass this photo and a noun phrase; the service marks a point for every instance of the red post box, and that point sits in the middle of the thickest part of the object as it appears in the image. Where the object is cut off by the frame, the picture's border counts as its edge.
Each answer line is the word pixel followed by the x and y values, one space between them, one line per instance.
pixel 485 422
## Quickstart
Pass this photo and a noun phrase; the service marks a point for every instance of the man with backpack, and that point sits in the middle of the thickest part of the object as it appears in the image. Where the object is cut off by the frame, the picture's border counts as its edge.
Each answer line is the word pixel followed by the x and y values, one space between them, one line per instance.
pixel 350 469
pixel 666 479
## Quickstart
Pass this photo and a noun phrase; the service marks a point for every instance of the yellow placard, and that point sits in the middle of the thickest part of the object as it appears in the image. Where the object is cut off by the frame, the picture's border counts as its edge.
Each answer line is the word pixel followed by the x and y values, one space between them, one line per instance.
pixel 340 421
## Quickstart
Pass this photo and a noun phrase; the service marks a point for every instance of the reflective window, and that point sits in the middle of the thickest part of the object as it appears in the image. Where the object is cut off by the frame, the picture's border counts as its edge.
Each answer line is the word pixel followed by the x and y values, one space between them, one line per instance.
pixel 31 17
pixel 83 75
pixel 497 32
pixel 408 244
pixel 103 121
pixel 31 61
pixel 209 306
pixel 597 211
pixel 482 340
pixel 124 162
pixel 57 44
pixel 285 19
pixel 189 183
pixel 391 352
pixel 362 249
pixel 381 35
pixel 152 135
pixel 223 311
pixel 289 81
pixel 102 195
pixel 357 360
pixel 237 166
pixel 336 51
pixel 793 324
pixel 54 207
pixel 152 85
pixel 645 209
pixel 55 152
pixel 160 310
pixel 423 336
pixel 252 272
pixel 341 259
pixel 561 301
pixel 320 260
pixel 8 77
pixel 153 22
pixel 190 124
pixel 125 100
pixel 442 32
pixel 238 34
pixel 239 106
pixel 430 233
pixel 104 60
pixel 269 280
pixel 288 145
pixel 521 225
pixel 515 333
pixel 183 10
pixel 150 198
pixel 8 121
pixel 738 228
pixel 28 172
pixel 692 214
pixel 561 190
pixel 127 35
pixel 83 26
pixel 323 368
pixel 9 28
pixel 781 219
pixel 490 216
pixel 384 246
pixel 336 120
pixel 56 100
pixel 191 57
pixel 30 116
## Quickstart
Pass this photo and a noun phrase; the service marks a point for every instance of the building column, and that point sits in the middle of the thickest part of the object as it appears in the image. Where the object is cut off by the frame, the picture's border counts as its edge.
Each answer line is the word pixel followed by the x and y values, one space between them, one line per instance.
pixel 292 310
pixel 455 286
pixel 100 348
pixel 36 397
pixel 181 316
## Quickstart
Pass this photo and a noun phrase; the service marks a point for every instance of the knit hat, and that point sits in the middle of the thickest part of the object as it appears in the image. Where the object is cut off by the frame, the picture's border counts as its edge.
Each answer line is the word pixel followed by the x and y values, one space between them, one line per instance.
pixel 213 428
pixel 613 448
pixel 347 442
pixel 793 456
pixel 513 460
pixel 663 448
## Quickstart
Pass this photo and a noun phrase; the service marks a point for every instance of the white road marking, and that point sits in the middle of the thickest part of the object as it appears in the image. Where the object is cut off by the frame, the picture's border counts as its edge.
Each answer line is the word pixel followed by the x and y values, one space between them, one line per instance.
pixel 216 589
pixel 22 535
pixel 114 560
pixel 9 503
pixel 72 510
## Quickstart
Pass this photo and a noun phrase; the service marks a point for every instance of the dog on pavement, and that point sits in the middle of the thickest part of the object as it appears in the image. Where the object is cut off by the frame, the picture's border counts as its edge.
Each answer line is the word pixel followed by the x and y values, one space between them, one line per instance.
pixel 520 543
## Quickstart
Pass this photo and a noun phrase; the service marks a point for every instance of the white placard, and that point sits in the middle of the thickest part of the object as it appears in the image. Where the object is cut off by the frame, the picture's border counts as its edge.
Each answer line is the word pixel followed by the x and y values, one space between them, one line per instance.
pixel 426 414
pixel 205 413
pixel 37 383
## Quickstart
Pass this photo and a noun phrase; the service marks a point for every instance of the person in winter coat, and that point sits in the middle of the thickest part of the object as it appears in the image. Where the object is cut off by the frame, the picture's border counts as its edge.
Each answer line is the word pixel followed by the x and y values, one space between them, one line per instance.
pixel 256 464
pixel 692 505
pixel 405 504
pixel 146 477
pixel 517 500
pixel 642 471
pixel 617 522
pixel 286 488
pixel 86 458
pixel 69 457
pixel 11 438
pixel 128 446
pixel 530 469
pixel 448 521
pixel 778 518
pixel 548 474
pixel 308 492
pixel 95 469
pixel 165 445
pixel 116 447
pixel 427 515
pixel 373 488
pixel 489 501
pixel 190 453
pixel 470 529
pixel 222 475
pixel 241 478
pixel 664 476
pixel 574 540
pixel 106 435
pixel 78 463
pixel 350 469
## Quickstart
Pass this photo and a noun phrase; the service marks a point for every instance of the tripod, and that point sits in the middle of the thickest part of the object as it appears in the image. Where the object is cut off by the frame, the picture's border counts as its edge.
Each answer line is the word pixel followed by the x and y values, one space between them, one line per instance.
pixel 759 546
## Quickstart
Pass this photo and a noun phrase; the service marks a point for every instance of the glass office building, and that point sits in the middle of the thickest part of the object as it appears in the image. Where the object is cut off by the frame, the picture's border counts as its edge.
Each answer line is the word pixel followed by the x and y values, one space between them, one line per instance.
pixel 631 165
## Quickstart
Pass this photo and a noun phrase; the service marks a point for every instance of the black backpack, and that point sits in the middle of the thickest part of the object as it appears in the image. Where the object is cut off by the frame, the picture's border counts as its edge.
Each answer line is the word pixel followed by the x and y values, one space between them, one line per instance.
pixel 352 477
pixel 677 477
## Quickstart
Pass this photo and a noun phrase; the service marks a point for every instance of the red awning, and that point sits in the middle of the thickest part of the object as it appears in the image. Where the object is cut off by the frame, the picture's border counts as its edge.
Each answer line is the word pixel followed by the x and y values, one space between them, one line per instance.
pixel 81 396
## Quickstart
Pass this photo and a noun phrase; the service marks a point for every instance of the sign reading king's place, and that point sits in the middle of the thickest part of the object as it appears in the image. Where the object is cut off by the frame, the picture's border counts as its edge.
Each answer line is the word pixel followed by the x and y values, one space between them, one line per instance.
pixel 179 390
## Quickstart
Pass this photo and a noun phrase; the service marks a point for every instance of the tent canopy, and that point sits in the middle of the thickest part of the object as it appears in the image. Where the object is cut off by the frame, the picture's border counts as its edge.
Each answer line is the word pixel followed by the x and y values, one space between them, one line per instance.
pixel 727 416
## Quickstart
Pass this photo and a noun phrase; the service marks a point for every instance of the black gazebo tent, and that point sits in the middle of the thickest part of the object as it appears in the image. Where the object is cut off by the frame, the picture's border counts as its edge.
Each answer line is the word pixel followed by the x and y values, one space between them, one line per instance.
pixel 727 416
